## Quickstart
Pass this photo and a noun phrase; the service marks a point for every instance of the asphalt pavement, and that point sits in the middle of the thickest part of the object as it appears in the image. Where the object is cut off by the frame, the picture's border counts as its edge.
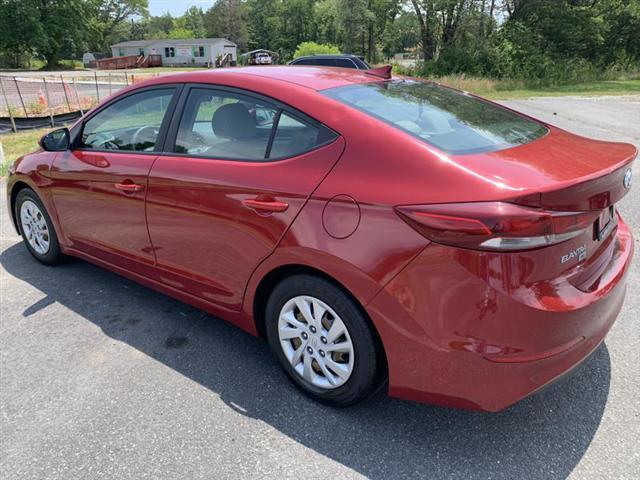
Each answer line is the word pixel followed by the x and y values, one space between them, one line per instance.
pixel 103 378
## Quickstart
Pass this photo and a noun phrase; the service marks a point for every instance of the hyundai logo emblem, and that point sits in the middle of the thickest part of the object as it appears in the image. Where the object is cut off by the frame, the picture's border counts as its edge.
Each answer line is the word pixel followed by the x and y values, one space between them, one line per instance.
pixel 626 181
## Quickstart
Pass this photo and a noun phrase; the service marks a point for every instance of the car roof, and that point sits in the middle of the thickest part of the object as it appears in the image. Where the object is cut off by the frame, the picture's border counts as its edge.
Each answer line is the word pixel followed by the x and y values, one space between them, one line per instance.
pixel 330 55
pixel 313 77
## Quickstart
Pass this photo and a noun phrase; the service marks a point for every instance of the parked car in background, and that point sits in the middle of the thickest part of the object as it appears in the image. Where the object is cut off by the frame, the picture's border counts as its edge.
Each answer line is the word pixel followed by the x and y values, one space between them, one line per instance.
pixel 332 60
pixel 263 59
pixel 377 231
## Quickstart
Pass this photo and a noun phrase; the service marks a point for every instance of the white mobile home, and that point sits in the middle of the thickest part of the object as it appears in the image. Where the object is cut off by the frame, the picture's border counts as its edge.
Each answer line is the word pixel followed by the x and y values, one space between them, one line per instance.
pixel 198 51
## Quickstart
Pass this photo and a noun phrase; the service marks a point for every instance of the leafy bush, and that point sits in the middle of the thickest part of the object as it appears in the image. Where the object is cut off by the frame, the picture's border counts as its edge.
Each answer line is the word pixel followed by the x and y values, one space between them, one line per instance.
pixel 313 48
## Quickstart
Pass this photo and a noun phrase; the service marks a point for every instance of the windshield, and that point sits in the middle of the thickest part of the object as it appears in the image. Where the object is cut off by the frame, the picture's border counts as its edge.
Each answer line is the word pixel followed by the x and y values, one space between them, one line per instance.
pixel 445 118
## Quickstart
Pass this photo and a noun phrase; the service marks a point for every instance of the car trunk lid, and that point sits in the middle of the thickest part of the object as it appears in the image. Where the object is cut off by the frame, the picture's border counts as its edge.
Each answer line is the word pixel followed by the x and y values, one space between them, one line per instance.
pixel 562 171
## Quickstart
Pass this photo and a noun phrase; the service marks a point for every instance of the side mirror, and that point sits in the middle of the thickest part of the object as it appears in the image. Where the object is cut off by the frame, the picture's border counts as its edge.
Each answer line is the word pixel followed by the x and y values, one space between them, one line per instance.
pixel 56 141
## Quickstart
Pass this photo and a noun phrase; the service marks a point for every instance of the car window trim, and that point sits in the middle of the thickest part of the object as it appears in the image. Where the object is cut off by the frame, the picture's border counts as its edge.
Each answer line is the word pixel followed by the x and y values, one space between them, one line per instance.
pixel 272 136
pixel 158 148
pixel 174 126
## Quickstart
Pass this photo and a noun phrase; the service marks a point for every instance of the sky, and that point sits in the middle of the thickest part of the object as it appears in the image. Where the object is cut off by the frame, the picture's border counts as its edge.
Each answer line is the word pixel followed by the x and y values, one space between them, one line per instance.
pixel 176 7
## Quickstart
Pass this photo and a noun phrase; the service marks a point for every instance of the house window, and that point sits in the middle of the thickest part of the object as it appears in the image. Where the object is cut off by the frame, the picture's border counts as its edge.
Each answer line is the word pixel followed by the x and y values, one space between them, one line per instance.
pixel 200 52
pixel 169 52
pixel 141 51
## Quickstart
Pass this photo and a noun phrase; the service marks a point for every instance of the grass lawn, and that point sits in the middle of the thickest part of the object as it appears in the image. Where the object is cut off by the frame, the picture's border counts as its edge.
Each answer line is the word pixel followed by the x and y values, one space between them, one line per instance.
pixel 589 89
pixel 15 145
pixel 505 89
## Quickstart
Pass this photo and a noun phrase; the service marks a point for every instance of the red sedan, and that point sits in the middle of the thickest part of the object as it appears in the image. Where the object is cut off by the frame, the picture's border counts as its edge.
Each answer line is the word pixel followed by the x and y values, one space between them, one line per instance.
pixel 377 231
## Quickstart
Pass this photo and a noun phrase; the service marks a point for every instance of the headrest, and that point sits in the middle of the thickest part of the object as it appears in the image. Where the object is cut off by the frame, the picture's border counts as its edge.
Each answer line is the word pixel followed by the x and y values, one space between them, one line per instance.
pixel 233 120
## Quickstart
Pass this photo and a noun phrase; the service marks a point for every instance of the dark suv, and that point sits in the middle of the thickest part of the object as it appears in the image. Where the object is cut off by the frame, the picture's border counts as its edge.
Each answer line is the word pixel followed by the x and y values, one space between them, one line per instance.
pixel 332 60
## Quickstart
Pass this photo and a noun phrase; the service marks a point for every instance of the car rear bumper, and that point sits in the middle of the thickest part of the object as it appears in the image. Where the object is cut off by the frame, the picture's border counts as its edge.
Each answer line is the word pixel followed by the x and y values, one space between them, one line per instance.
pixel 456 332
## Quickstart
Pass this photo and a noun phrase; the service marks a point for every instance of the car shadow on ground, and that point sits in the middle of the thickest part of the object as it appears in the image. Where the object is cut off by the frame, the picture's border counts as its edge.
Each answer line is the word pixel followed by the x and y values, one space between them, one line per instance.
pixel 544 436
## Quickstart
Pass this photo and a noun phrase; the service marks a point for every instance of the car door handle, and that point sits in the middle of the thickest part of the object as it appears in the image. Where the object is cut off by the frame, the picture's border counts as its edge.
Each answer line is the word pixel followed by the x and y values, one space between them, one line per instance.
pixel 265 206
pixel 129 187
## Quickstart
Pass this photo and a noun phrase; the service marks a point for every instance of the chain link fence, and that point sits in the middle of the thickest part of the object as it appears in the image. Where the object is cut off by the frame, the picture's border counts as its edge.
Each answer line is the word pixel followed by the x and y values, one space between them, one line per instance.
pixel 49 100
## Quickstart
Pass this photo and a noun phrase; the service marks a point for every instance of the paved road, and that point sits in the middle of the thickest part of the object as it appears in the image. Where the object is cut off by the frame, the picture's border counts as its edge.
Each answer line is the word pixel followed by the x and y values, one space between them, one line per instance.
pixel 102 378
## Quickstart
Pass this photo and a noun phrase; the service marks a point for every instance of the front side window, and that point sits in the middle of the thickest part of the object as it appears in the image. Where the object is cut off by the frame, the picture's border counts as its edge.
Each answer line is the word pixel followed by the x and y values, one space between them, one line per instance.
pixel 452 121
pixel 224 125
pixel 130 124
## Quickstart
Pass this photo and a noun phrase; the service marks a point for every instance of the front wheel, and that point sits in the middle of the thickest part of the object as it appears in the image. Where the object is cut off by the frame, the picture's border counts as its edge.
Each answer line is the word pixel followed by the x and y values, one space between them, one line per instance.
pixel 323 341
pixel 36 228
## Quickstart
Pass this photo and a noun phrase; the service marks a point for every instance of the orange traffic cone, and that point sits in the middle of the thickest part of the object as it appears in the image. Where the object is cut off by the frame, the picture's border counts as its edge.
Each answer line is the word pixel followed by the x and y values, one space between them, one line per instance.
pixel 41 99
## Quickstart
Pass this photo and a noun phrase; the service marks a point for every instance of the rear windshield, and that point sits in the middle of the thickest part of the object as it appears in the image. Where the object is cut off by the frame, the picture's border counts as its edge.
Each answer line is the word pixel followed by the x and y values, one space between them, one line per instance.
pixel 447 119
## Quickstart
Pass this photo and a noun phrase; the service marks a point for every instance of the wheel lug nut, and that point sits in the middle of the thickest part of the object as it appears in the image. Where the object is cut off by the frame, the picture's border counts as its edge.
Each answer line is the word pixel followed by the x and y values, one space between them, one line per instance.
pixel 309 349
pixel 322 353
pixel 304 335
pixel 323 339
pixel 313 329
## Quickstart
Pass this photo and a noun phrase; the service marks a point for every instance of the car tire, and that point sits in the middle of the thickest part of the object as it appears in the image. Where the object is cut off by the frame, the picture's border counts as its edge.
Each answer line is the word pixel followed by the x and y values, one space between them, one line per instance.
pixel 36 228
pixel 327 383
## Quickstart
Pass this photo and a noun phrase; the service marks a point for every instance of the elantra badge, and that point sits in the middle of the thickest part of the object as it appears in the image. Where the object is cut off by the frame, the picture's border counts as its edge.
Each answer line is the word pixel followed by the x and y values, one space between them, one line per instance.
pixel 626 181
pixel 580 253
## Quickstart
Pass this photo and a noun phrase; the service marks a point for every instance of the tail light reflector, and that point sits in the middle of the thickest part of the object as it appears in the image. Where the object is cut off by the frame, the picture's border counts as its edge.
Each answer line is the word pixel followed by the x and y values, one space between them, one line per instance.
pixel 497 226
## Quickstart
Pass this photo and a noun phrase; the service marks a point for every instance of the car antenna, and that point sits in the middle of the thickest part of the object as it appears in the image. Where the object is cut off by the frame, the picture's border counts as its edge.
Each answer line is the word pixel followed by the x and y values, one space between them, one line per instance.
pixel 382 72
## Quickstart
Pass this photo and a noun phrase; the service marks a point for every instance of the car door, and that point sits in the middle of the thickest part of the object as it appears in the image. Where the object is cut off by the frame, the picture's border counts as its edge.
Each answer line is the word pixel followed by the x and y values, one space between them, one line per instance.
pixel 99 186
pixel 241 169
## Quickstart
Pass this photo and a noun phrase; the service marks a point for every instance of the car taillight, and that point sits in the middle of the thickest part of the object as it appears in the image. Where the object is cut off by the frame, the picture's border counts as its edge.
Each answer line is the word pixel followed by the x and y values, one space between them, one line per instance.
pixel 495 225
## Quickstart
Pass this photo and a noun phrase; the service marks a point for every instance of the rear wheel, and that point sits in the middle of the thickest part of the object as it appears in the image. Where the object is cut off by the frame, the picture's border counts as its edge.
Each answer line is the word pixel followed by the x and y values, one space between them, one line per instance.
pixel 36 228
pixel 322 340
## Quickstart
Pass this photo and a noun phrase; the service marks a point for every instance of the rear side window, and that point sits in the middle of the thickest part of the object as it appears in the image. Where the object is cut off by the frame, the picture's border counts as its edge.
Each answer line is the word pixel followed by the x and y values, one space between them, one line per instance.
pixel 293 137
pixel 130 124
pixel 452 121
pixel 345 63
pixel 362 65
pixel 225 125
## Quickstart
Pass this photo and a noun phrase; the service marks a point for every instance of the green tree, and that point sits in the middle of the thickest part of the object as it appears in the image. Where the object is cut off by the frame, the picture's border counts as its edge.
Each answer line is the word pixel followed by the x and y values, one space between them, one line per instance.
pixel 181 34
pixel 325 13
pixel 19 28
pixel 401 34
pixel 352 19
pixel 43 27
pixel 383 14
pixel 158 27
pixel 228 19
pixel 313 48
pixel 263 24
pixel 296 25
pixel 193 20
pixel 109 19
pixel 621 32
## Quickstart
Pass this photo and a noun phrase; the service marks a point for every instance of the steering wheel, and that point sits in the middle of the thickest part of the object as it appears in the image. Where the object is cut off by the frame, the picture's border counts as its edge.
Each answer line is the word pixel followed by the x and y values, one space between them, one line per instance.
pixel 104 141
pixel 138 133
